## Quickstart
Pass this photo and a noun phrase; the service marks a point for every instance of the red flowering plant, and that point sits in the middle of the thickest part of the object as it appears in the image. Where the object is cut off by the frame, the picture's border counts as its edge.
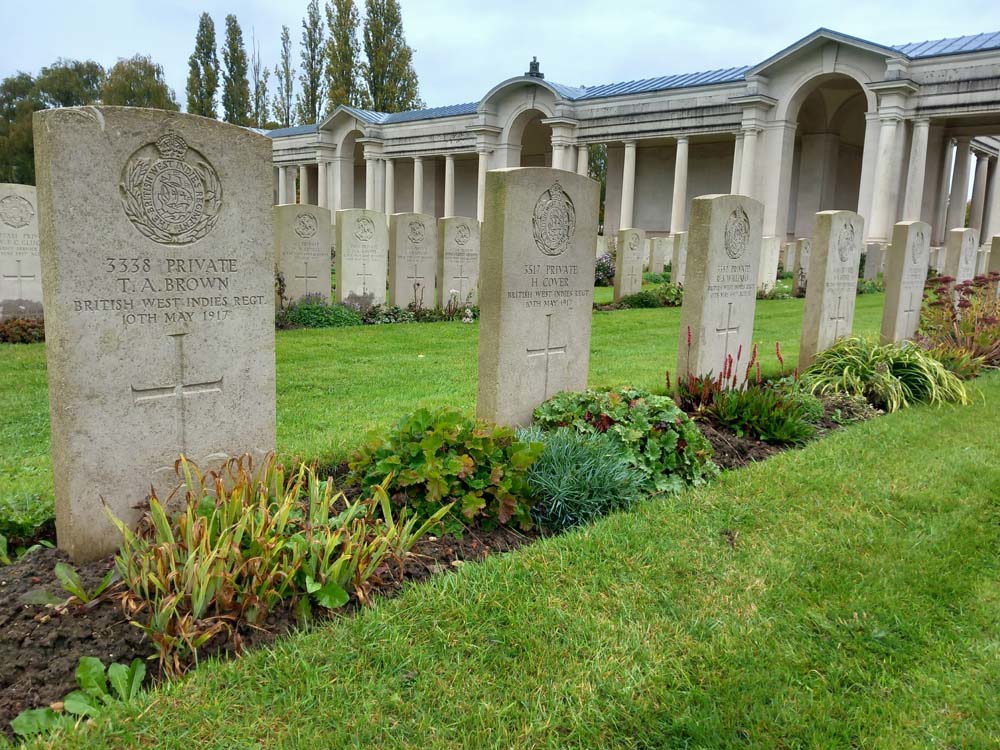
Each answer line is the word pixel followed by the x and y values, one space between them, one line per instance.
pixel 960 323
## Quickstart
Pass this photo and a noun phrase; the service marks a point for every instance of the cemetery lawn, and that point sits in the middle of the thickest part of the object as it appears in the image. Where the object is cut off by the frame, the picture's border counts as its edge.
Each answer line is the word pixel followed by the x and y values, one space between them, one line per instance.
pixel 334 384
pixel 843 595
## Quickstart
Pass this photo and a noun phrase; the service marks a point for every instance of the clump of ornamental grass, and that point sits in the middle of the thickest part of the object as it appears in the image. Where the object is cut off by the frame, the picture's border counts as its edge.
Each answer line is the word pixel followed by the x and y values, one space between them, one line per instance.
pixel 960 323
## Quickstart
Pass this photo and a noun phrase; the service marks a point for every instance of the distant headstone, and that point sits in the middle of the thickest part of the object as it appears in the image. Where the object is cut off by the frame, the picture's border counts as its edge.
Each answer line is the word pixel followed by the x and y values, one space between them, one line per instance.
pixel 602 245
pixel 790 254
pixel 874 253
pixel 800 274
pixel 982 260
pixel 647 253
pixel 906 263
pixel 158 269
pixel 786 247
pixel 362 257
pixel 628 263
pixel 833 282
pixel 536 289
pixel 935 258
pixel 302 250
pixel 658 254
pixel 20 265
pixel 678 257
pixel 720 289
pixel 458 260
pixel 413 251
pixel 960 254
pixel 767 274
pixel 993 262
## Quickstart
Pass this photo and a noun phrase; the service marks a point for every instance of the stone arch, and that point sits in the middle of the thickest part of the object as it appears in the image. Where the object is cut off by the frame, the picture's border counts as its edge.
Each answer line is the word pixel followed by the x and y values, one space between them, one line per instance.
pixel 528 140
pixel 788 107
pixel 352 169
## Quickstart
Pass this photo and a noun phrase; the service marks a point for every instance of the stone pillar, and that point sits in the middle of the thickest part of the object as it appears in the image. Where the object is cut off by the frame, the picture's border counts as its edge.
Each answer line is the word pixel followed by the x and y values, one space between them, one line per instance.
pixel 959 185
pixel 979 192
pixel 418 185
pixel 303 183
pixel 282 185
pixel 882 209
pixel 678 207
pixel 991 224
pixel 582 159
pixel 321 184
pixel 449 185
pixel 941 206
pixel 390 187
pixel 749 160
pixel 869 156
pixel 558 155
pixel 370 179
pixel 734 185
pixel 628 186
pixel 915 174
pixel 484 163
pixel 337 196
pixel 290 173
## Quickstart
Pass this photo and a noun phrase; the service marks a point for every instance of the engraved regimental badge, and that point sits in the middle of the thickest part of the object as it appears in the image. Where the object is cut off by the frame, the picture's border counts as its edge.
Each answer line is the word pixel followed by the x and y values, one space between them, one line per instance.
pixel 917 246
pixel 170 192
pixel 306 226
pixel 554 221
pixel 416 232
pixel 364 229
pixel 737 234
pixel 462 234
pixel 633 242
pixel 16 211
pixel 845 242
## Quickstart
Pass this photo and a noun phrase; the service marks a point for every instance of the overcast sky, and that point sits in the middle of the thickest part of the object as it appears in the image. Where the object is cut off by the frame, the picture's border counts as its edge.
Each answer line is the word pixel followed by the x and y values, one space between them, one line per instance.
pixel 464 47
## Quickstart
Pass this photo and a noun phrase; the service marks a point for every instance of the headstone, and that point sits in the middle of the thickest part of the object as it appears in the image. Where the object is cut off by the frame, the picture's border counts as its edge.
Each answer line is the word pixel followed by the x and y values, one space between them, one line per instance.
pixel 20 266
pixel 602 245
pixel 720 289
pixel 158 270
pixel 678 257
pixel 833 282
pixel 982 260
pixel 658 254
pixel 960 254
pixel 786 249
pixel 458 260
pixel 302 250
pixel 413 251
pixel 800 276
pixel 536 289
pixel 628 264
pixel 935 258
pixel 993 262
pixel 906 263
pixel 362 257
pixel 874 253
pixel 790 259
pixel 767 274
pixel 647 253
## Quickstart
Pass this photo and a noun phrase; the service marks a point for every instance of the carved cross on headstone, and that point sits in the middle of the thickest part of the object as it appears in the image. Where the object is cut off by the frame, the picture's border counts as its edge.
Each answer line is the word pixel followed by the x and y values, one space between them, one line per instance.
pixel 728 327
pixel 548 351
pixel 364 278
pixel 631 276
pixel 306 277
pixel 461 278
pixel 837 318
pixel 910 309
pixel 415 281
pixel 19 278
pixel 180 389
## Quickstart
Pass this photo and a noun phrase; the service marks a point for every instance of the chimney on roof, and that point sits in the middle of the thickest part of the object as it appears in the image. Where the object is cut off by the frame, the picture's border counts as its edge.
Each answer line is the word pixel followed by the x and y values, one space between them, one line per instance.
pixel 533 71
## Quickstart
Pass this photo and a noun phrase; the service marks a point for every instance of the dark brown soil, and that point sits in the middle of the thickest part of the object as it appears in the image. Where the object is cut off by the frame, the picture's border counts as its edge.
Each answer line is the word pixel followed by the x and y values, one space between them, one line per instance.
pixel 732 451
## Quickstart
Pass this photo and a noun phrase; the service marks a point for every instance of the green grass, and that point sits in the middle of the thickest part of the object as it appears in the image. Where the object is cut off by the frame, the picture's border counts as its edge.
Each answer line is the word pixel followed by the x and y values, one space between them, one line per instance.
pixel 335 384
pixel 841 596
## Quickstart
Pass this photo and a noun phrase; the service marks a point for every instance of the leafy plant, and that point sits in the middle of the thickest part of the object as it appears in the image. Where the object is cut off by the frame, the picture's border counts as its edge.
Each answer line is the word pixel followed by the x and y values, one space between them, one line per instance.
pixel 604 270
pixel 654 435
pixel 767 414
pixel 890 376
pixel 22 331
pixel 871 286
pixel 89 701
pixel 70 581
pixel 643 299
pixel 440 457
pixel 656 278
pixel 312 312
pixel 848 408
pixel 961 322
pixel 579 477
pixel 662 295
pixel 380 314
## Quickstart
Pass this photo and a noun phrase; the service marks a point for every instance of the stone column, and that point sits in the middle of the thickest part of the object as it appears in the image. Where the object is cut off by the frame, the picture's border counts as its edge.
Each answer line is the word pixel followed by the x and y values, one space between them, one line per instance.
pixel 303 183
pixel 390 187
pixel 979 192
pixel 337 200
pixel 282 185
pixel 749 161
pixel 628 186
pixel 915 174
pixel 678 207
pixel 991 223
pixel 290 173
pixel 882 210
pixel 558 152
pixel 418 185
pixel 869 156
pixel 582 158
pixel 449 185
pixel 959 185
pixel 734 185
pixel 484 163
pixel 370 179
pixel 321 184
pixel 941 205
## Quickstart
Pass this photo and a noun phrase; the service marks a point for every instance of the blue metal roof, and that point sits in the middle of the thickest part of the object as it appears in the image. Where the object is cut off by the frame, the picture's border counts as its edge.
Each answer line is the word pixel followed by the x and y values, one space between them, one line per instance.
pixel 295 130
pixel 952 46
pixel 682 80
pixel 452 110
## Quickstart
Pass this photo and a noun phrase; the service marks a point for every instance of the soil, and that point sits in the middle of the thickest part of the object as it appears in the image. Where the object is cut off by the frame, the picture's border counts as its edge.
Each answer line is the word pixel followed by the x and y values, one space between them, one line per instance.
pixel 732 451
pixel 40 646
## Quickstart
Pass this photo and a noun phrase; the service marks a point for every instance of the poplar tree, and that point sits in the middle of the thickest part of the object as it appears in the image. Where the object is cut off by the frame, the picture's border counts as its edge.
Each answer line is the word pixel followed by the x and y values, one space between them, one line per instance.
pixel 138 82
pixel 259 79
pixel 310 100
pixel 343 52
pixel 235 86
pixel 203 70
pixel 282 105
pixel 388 74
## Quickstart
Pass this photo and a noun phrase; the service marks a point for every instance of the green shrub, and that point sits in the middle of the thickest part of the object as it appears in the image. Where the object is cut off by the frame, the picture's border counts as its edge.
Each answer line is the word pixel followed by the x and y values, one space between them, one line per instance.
pixel 22 515
pixel 313 312
pixel 380 314
pixel 961 322
pixel 662 295
pixel 871 286
pixel 22 331
pixel 433 458
pixel 768 414
pixel 644 299
pixel 890 376
pixel 652 433
pixel 579 477
pixel 604 270
pixel 656 278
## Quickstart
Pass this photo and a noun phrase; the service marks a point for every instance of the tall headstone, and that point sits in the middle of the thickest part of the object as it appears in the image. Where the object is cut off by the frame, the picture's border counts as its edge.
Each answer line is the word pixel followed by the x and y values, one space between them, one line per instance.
pixel 536 289
pixel 720 289
pixel 800 276
pixel 833 281
pixel 678 257
pixel 302 250
pixel 960 254
pixel 790 256
pixel 158 270
pixel 458 260
pixel 628 263
pixel 413 251
pixel 647 253
pixel 982 260
pixel 767 274
pixel 874 254
pixel 787 249
pixel 20 265
pixel 362 257
pixel 906 263
pixel 602 245
pixel 658 254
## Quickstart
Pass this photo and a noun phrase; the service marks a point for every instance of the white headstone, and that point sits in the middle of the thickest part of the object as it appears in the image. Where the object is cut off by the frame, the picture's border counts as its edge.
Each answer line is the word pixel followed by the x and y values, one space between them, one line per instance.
pixel 800 276
pixel 678 257
pixel 302 250
pixel 906 263
pixel 658 254
pixel 536 289
pixel 362 257
pixel 767 275
pixel 874 254
pixel 628 263
pixel 158 270
pixel 458 260
pixel 602 245
pixel 20 266
pixel 413 251
pixel 960 254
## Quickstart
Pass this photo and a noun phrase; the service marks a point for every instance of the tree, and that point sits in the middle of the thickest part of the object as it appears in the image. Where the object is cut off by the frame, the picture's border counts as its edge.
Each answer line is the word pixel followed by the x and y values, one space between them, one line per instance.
pixel 19 99
pixel 388 74
pixel 597 169
pixel 70 83
pixel 310 101
pixel 259 75
pixel 342 53
pixel 235 86
pixel 138 82
pixel 282 105
pixel 203 70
